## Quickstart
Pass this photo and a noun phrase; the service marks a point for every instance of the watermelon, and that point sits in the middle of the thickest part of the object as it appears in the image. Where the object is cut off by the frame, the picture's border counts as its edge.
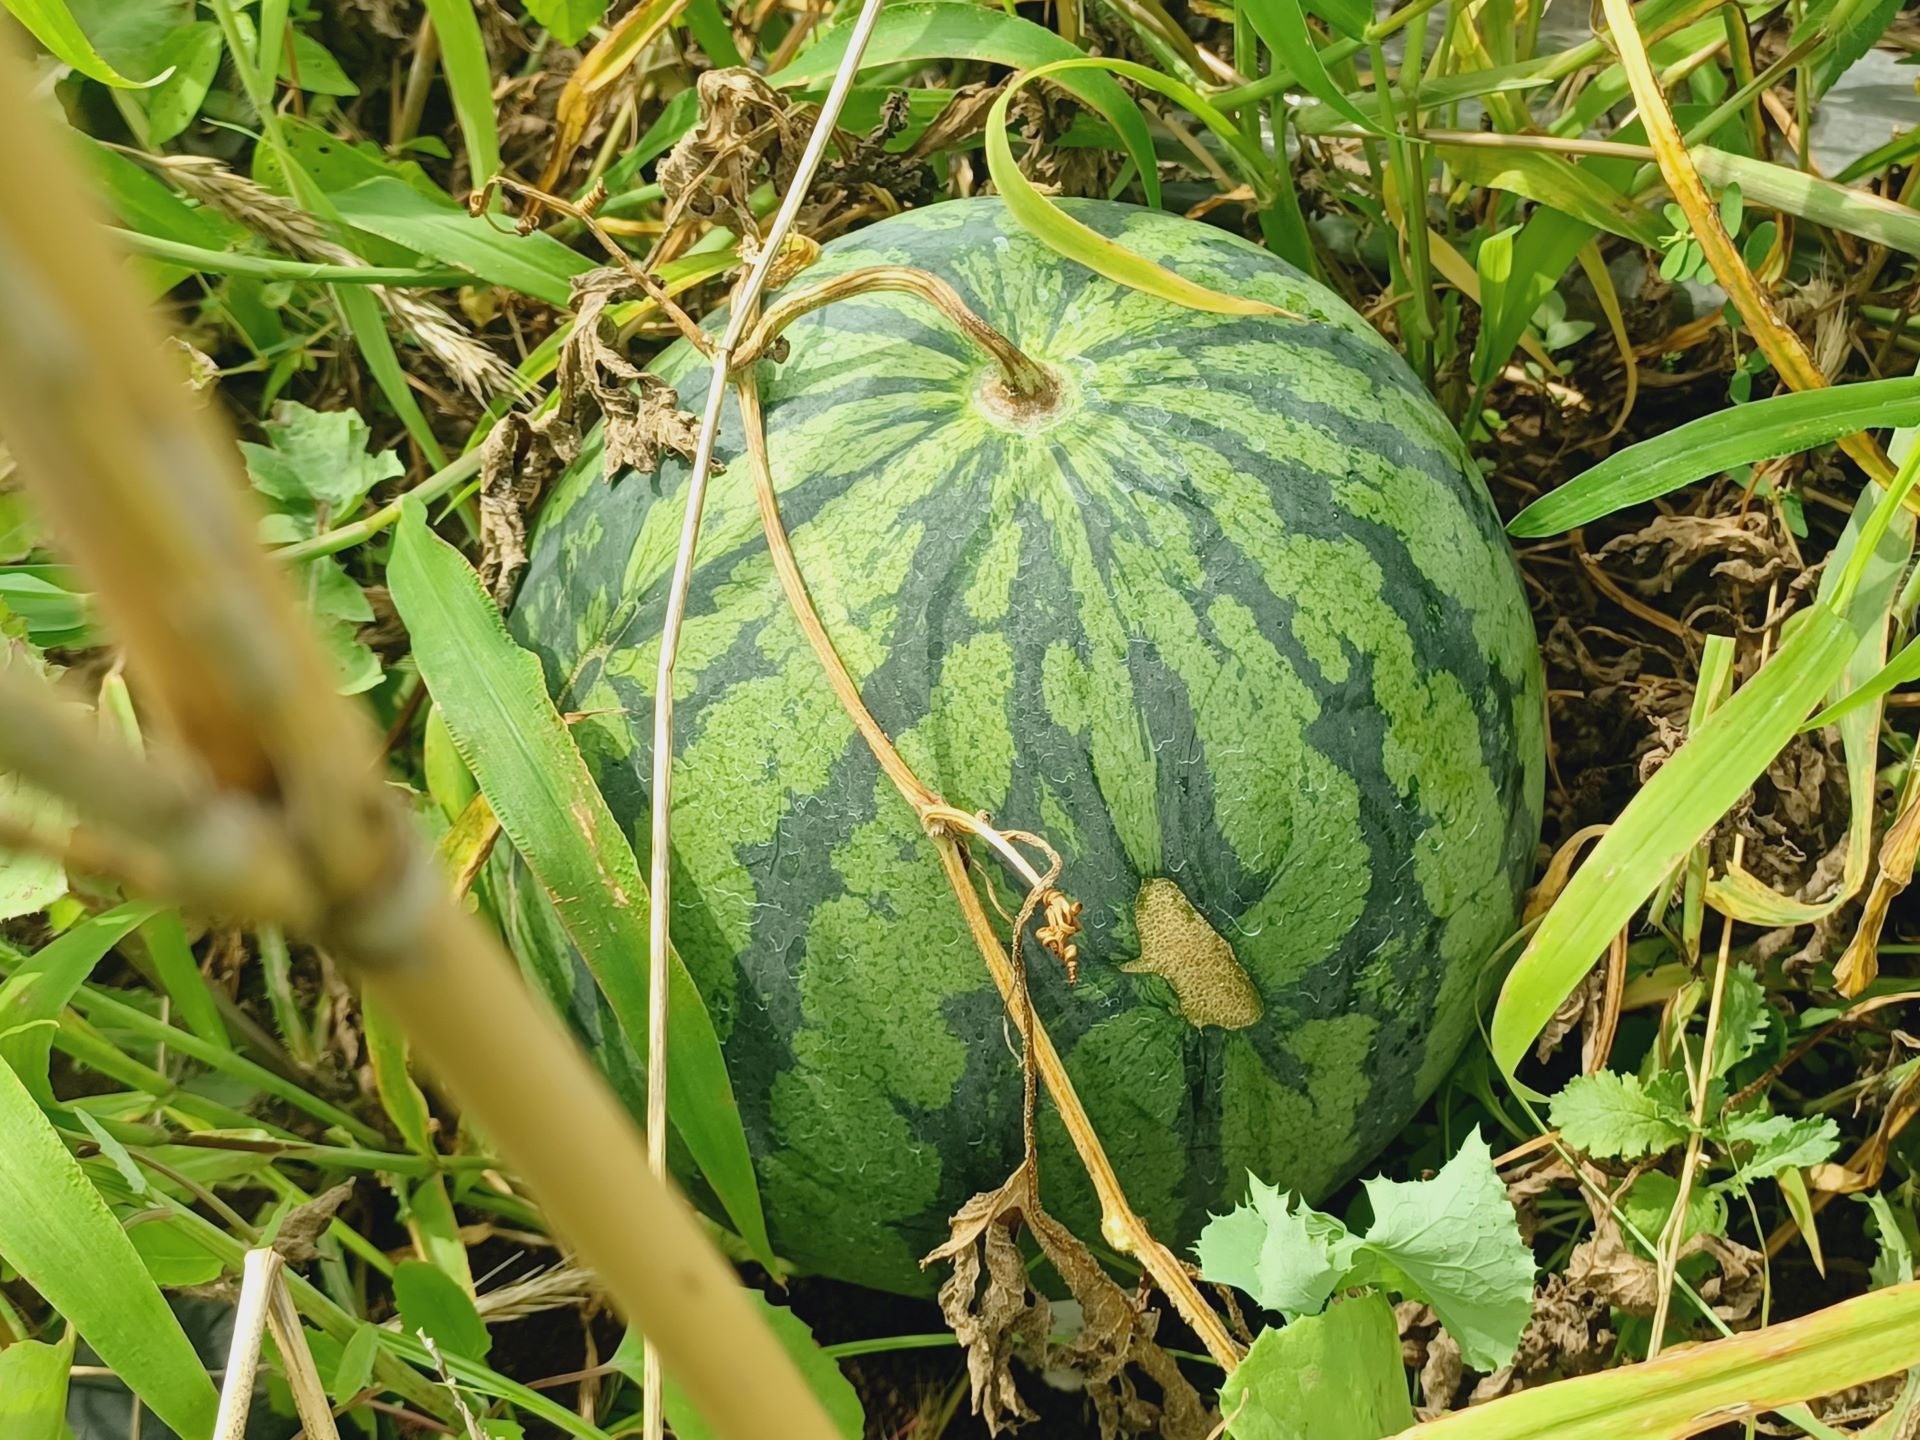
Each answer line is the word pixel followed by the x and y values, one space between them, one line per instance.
pixel 1232 623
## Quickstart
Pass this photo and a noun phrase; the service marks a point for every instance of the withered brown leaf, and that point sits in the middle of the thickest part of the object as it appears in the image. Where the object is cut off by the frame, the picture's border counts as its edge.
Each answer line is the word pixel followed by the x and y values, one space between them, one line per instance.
pixel 992 1307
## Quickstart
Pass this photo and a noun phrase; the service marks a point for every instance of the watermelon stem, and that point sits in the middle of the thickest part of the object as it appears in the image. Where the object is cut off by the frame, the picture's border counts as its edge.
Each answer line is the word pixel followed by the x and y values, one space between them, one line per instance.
pixel 1120 1225
pixel 1027 389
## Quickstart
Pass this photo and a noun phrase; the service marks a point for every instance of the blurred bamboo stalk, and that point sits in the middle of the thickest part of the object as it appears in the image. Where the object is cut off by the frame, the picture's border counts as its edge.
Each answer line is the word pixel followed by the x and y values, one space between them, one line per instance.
pixel 144 491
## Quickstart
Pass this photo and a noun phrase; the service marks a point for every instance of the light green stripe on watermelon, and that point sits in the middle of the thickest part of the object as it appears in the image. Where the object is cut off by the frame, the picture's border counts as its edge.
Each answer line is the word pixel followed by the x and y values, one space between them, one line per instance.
pixel 1234 628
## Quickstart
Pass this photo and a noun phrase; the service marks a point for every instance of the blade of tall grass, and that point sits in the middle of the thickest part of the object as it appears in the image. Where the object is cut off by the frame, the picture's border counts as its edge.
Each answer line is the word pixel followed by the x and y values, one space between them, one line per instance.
pixel 34 995
pixel 1282 26
pixel 534 264
pixel 1781 345
pixel 1686 1392
pixel 919 30
pixel 64 1241
pixel 1784 424
pixel 180 977
pixel 495 702
pixel 1811 198
pixel 463 59
pixel 1685 798
pixel 1052 225
pixel 1557 182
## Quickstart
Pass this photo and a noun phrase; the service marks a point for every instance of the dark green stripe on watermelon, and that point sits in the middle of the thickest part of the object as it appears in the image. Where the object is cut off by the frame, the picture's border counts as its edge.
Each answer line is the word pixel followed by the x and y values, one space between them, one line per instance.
pixel 1240 618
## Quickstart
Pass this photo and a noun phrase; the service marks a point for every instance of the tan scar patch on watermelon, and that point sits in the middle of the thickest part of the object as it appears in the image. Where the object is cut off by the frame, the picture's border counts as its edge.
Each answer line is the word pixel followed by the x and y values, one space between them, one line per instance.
pixel 1178 945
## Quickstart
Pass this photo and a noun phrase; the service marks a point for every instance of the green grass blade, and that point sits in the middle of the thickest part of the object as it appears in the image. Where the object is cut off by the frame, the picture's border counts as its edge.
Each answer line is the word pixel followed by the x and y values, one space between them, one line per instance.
pixel 34 995
pixel 1282 27
pixel 944 30
pixel 59 1234
pixel 496 706
pixel 463 60
pixel 536 264
pixel 1770 1369
pixel 1685 798
pixel 1554 181
pixel 180 977
pixel 362 314
pixel 1811 198
pixel 1901 670
pixel 33 1389
pixel 1061 232
pixel 1759 430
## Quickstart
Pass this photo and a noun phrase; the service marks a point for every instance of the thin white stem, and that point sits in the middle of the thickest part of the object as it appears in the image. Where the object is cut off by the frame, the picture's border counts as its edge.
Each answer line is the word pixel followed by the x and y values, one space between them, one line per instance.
pixel 258 1273
pixel 745 309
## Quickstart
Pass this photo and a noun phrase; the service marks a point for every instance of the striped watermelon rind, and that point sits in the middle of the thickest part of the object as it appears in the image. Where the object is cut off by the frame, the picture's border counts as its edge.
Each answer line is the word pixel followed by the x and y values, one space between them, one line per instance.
pixel 1234 627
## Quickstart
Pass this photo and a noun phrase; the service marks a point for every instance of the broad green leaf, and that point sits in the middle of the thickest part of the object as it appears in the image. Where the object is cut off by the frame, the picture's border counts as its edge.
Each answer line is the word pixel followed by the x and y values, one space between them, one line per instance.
pixel 1648 1205
pixel 919 30
pixel 1554 181
pixel 536 264
pixel 34 995
pixel 64 1241
pixel 1454 1242
pixel 1336 1376
pixel 1609 1115
pixel 463 59
pixel 355 1367
pixel 1759 430
pixel 1769 1369
pixel 1547 244
pixel 1743 1020
pixel 312 68
pixel 432 1301
pixel 173 1254
pixel 494 699
pixel 1061 232
pixel 1282 25
pixel 33 1389
pixel 1493 265
pixel 568 20
pixel 51 22
pixel 1685 798
pixel 190 59
pixel 29 881
pixel 822 1374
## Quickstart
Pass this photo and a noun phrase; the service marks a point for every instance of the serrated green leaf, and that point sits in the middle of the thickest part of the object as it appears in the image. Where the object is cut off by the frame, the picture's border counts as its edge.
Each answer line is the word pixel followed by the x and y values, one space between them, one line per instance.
pixel 1898 1238
pixel 1649 1201
pixel 1777 1143
pixel 1454 1242
pixel 1336 1376
pixel 318 457
pixel 1287 1256
pixel 1609 1115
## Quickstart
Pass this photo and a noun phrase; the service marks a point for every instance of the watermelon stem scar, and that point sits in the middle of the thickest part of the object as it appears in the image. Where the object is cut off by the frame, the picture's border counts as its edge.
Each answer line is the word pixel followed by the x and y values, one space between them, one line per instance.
pixel 1024 390
pixel 1120 1224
